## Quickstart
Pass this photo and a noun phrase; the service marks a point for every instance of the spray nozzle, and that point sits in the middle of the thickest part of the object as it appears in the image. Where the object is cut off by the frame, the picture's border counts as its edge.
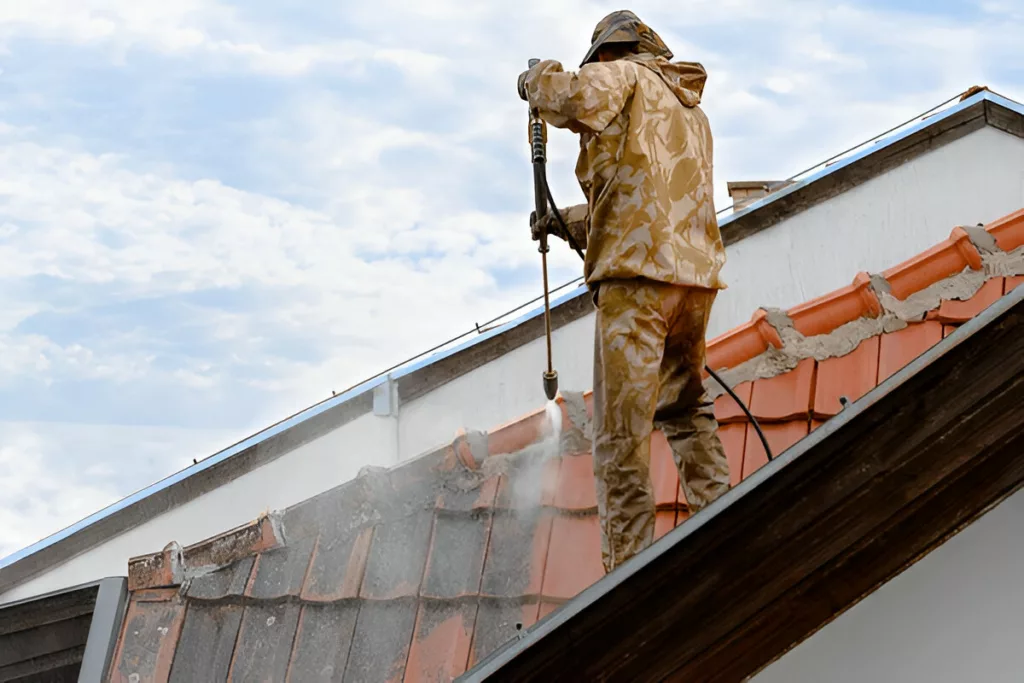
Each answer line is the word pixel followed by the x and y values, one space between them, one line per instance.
pixel 551 385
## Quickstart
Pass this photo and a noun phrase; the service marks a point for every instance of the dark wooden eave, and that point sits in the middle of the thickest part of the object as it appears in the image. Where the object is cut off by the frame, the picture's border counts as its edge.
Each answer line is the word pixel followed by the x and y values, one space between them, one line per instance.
pixel 68 635
pixel 845 510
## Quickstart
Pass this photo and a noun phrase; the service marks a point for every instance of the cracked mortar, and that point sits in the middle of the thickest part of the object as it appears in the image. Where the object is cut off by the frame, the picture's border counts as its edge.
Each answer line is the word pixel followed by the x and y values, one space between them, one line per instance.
pixel 528 463
pixel 895 316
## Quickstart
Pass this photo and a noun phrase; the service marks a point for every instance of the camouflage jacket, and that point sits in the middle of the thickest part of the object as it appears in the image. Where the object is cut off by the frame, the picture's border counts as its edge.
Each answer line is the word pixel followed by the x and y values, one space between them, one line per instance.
pixel 645 166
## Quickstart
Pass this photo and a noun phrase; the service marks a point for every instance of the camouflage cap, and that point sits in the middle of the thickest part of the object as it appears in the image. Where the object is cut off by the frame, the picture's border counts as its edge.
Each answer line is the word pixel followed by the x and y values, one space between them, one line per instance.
pixel 625 27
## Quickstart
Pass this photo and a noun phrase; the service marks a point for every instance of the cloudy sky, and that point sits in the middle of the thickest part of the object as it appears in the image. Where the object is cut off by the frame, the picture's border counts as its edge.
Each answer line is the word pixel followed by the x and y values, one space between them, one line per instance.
pixel 214 213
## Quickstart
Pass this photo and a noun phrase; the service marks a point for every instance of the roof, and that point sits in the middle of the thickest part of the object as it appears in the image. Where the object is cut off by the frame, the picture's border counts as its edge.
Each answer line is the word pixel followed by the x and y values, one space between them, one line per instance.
pixel 923 455
pixel 421 375
pixel 421 571
pixel 67 635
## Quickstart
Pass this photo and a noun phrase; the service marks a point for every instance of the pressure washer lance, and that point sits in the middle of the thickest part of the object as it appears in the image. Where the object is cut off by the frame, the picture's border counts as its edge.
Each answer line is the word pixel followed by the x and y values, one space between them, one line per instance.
pixel 538 141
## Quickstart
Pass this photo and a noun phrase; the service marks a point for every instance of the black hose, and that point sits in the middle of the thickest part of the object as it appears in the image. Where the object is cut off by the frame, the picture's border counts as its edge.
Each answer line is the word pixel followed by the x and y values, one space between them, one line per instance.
pixel 753 420
pixel 728 389
pixel 561 221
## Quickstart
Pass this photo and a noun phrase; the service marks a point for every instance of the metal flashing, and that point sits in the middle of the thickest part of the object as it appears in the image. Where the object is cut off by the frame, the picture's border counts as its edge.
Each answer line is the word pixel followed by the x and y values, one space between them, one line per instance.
pixel 104 629
pixel 385 398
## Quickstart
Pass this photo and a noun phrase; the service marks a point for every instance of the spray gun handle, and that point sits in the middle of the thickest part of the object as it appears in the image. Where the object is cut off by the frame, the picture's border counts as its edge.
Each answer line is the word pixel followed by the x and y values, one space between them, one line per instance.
pixel 538 139
pixel 521 85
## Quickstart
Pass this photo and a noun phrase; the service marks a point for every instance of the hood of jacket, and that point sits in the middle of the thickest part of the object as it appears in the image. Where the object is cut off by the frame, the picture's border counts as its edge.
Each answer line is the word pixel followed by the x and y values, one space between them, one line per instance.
pixel 685 79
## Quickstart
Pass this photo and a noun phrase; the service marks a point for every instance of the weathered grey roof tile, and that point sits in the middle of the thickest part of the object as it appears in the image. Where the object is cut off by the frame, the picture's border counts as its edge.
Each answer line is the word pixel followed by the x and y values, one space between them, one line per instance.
pixel 397 557
pixel 380 645
pixel 264 642
pixel 456 555
pixel 281 571
pixel 322 642
pixel 227 581
pixel 207 643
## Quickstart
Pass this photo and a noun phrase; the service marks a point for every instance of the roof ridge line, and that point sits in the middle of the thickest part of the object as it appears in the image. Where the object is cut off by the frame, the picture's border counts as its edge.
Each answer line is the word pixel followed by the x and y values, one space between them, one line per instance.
pixel 844 339
pixel 954 269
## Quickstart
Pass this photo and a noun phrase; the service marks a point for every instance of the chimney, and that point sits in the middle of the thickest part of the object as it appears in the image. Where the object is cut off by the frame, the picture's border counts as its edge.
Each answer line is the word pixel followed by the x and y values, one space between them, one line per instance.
pixel 746 192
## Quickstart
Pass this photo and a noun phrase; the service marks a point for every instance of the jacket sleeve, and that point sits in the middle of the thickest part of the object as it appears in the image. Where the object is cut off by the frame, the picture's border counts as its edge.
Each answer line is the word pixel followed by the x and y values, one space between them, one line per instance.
pixel 575 218
pixel 582 102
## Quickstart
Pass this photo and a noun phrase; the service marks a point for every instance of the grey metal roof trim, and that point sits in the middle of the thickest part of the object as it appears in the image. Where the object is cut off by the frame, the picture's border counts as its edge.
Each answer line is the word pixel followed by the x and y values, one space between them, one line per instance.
pixel 557 624
pixel 422 375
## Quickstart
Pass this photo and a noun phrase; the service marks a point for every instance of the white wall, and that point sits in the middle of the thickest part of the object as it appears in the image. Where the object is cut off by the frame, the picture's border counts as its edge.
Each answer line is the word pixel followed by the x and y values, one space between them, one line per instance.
pixel 872 227
pixel 955 616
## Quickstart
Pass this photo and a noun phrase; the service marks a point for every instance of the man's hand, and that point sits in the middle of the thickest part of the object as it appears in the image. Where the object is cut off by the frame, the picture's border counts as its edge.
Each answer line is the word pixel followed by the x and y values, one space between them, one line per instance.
pixel 521 86
pixel 548 225
pixel 575 218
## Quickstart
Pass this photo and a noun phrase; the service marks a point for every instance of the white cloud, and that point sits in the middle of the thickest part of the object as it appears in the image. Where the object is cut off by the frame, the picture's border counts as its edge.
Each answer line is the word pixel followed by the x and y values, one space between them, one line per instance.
pixel 355 278
pixel 210 30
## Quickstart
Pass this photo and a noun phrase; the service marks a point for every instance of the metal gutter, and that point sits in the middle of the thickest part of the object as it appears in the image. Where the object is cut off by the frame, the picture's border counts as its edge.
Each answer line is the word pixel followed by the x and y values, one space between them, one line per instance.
pixel 365 388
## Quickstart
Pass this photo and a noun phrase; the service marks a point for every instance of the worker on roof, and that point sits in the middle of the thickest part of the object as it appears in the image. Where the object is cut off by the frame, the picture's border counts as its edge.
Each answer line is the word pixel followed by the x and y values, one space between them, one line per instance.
pixel 653 258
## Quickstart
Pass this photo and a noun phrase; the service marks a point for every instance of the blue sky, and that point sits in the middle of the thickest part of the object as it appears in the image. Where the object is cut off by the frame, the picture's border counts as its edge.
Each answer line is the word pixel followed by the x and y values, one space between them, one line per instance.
pixel 212 214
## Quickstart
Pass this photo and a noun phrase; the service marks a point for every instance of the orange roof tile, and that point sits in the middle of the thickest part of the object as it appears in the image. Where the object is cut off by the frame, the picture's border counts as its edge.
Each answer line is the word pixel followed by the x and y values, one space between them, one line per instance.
pixel 944 259
pixel 734 440
pixel 424 570
pixel 573 490
pixel 850 376
pixel 1012 283
pixel 441 644
pixel 664 474
pixel 786 396
pixel 742 343
pixel 574 556
pixel 901 347
pixel 826 313
pixel 1008 231
pixel 953 311
pixel 780 437
pixel 726 408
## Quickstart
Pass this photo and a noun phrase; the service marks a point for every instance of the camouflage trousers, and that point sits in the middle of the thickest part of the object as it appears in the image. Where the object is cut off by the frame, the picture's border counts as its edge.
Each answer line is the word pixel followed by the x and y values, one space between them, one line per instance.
pixel 648 358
